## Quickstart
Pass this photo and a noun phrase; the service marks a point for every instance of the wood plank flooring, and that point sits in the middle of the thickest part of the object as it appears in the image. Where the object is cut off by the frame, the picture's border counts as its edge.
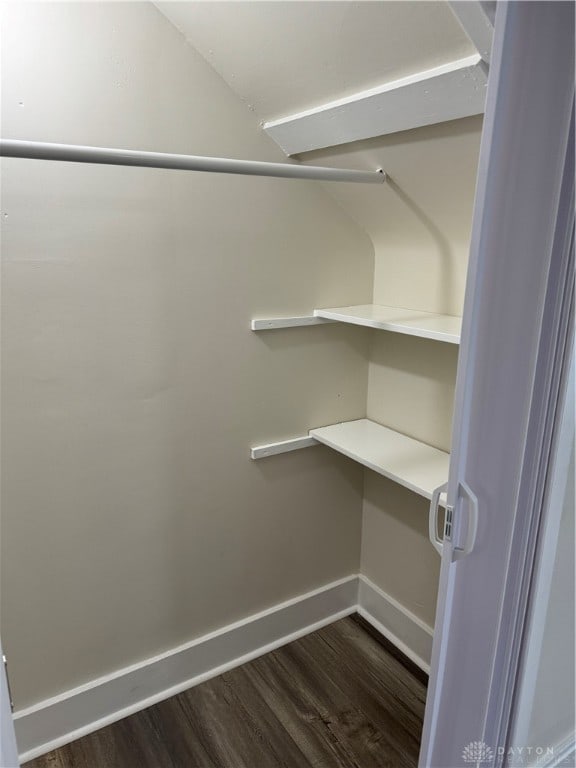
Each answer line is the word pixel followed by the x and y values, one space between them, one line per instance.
pixel 342 697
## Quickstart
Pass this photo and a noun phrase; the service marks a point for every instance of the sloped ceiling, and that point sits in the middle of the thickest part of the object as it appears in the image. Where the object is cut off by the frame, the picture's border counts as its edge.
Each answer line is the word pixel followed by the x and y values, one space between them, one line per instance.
pixel 283 57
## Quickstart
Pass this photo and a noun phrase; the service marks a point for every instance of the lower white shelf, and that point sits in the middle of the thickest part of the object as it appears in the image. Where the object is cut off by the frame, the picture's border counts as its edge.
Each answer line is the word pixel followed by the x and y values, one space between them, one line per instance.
pixel 410 463
pixel 411 322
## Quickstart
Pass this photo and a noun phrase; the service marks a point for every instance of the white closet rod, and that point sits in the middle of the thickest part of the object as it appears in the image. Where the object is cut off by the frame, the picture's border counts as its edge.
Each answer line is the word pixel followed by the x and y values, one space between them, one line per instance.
pixel 37 150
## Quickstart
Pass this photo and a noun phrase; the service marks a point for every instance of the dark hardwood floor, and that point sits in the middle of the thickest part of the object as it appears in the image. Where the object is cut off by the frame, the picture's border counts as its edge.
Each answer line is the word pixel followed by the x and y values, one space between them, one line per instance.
pixel 338 698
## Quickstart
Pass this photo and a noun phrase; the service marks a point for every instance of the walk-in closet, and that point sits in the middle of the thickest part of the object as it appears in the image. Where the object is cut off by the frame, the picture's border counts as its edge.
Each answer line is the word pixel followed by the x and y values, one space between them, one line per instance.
pixel 235 241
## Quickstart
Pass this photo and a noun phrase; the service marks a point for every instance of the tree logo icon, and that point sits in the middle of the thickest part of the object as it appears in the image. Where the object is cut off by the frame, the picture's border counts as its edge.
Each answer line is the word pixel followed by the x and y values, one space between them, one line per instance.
pixel 477 752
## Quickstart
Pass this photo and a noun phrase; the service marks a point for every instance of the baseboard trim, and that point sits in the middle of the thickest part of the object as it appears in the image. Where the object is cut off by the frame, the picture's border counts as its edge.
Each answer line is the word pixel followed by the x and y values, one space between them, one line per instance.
pixel 75 713
pixel 83 710
pixel 396 623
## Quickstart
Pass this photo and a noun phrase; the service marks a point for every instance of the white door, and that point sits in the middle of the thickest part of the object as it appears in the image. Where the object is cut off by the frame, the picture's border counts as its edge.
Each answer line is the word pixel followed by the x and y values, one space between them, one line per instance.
pixel 8 751
pixel 544 716
pixel 517 326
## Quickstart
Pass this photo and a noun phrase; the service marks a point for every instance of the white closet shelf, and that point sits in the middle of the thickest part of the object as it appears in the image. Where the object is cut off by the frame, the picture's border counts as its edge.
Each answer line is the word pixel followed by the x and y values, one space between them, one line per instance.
pixel 408 321
pixel 406 461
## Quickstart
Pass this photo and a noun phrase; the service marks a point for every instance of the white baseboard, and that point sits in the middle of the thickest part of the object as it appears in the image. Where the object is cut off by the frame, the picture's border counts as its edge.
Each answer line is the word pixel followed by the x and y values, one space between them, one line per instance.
pixel 77 712
pixel 405 630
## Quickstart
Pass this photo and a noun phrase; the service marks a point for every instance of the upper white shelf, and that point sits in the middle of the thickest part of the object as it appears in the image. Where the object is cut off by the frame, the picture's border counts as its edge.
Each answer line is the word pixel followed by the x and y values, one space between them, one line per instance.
pixel 449 91
pixel 409 321
pixel 409 462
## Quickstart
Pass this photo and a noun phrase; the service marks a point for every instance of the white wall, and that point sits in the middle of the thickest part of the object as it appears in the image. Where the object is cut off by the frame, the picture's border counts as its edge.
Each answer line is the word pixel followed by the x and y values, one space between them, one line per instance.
pixel 420 225
pixel 316 51
pixel 133 519
pixel 419 221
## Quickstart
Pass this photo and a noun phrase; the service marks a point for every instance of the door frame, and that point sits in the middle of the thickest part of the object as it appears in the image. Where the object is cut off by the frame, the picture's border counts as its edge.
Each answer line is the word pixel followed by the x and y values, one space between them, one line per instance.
pixel 8 748
pixel 517 327
pixel 546 562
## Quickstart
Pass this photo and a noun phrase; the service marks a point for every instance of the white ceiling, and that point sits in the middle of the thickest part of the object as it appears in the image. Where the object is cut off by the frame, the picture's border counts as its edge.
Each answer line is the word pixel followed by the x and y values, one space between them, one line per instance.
pixel 284 57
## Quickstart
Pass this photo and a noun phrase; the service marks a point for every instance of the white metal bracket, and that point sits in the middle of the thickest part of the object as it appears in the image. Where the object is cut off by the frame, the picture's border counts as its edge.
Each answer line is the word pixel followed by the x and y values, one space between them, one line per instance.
pixel 271 323
pixel 284 446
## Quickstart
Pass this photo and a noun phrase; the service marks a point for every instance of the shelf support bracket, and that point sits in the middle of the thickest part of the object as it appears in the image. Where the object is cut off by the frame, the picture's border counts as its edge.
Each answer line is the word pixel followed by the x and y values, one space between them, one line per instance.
pixel 271 323
pixel 284 446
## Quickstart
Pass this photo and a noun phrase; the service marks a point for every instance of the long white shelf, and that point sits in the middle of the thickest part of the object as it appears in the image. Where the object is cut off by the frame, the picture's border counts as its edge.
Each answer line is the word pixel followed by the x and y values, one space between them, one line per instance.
pixel 408 321
pixel 408 462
